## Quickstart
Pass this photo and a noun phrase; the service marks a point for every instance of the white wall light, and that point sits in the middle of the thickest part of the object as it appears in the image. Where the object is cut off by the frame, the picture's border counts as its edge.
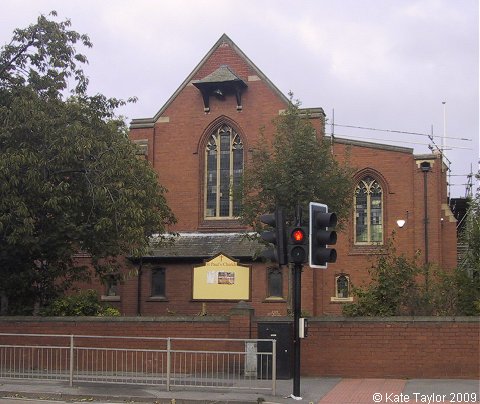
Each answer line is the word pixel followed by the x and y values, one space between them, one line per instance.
pixel 400 223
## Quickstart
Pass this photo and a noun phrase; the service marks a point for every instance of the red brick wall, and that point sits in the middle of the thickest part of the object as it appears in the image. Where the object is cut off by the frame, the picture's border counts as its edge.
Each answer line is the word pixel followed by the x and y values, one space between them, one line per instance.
pixel 403 348
pixel 403 184
pixel 395 347
pixel 200 327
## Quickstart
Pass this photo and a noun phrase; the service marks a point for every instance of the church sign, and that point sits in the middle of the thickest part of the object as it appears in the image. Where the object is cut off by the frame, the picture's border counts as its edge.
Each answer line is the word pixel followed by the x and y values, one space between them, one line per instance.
pixel 221 278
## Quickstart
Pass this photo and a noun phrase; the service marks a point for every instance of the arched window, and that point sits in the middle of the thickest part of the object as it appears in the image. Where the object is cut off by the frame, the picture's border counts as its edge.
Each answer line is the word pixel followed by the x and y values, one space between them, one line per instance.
pixel 342 287
pixel 368 212
pixel 223 173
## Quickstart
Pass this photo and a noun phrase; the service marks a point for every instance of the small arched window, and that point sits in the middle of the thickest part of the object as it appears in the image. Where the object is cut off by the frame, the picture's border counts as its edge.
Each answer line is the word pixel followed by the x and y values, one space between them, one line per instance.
pixel 342 287
pixel 223 173
pixel 368 212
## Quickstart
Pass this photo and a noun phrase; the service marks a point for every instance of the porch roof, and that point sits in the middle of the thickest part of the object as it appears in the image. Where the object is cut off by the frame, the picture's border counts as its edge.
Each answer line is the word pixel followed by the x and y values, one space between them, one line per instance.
pixel 206 245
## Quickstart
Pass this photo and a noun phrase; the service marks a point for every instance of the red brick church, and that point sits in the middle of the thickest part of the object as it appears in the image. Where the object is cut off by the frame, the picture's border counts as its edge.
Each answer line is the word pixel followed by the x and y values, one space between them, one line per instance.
pixel 199 142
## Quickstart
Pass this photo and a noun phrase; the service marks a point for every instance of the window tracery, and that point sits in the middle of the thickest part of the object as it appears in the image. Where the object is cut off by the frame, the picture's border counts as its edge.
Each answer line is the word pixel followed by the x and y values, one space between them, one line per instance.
pixel 224 171
pixel 368 211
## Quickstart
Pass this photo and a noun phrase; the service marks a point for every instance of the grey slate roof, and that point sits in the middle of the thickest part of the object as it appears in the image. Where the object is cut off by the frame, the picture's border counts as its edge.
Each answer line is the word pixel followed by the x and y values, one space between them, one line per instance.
pixel 221 75
pixel 207 245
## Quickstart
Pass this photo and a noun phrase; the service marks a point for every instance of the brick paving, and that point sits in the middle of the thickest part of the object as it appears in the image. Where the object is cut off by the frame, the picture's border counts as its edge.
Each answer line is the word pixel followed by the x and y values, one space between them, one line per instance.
pixel 362 391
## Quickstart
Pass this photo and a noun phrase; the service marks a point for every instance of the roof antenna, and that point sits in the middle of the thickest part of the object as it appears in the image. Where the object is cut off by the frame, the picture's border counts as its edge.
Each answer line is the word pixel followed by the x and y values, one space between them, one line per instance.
pixel 444 138
pixel 332 137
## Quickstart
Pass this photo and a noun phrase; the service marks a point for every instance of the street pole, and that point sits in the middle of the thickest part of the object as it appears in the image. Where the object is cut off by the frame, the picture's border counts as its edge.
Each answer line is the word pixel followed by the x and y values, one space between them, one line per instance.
pixel 425 167
pixel 297 307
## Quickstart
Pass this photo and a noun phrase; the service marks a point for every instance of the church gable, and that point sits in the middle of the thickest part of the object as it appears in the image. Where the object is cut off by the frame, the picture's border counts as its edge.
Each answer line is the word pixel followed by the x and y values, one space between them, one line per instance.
pixel 225 53
pixel 198 142
pixel 224 63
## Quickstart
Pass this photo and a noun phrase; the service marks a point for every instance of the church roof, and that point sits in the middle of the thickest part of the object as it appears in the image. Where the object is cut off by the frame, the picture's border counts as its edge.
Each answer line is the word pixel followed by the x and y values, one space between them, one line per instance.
pixel 223 74
pixel 370 145
pixel 198 245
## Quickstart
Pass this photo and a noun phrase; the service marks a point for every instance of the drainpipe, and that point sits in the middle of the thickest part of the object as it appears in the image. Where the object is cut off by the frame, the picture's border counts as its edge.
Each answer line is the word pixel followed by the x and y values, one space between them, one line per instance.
pixel 153 146
pixel 139 288
pixel 425 167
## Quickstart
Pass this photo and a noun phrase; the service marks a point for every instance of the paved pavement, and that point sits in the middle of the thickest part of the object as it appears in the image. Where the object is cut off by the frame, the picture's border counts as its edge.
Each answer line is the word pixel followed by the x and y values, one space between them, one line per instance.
pixel 313 390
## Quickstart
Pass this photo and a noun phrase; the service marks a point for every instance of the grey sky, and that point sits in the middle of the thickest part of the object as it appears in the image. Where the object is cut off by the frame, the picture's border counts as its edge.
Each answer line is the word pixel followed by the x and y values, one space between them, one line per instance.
pixel 386 64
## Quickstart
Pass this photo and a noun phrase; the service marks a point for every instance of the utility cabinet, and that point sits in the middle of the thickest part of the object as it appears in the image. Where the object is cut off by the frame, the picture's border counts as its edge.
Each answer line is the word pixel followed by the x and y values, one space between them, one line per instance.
pixel 282 332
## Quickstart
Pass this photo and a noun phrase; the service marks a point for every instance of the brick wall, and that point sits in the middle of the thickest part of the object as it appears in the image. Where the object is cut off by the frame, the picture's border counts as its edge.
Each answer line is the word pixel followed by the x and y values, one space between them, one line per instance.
pixel 426 347
pixel 175 327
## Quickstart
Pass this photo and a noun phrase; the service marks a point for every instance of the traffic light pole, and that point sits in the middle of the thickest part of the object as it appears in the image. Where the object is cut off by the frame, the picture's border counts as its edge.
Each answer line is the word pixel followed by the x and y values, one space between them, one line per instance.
pixel 297 308
pixel 298 245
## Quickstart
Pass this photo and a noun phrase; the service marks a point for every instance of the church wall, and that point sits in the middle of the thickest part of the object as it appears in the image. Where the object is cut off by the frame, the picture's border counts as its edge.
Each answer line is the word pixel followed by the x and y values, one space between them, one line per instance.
pixel 176 144
pixel 395 347
pixel 179 135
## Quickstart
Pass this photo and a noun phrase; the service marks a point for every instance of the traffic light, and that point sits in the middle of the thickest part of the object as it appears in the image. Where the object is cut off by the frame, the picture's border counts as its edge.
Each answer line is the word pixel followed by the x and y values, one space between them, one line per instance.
pixel 321 235
pixel 297 239
pixel 278 252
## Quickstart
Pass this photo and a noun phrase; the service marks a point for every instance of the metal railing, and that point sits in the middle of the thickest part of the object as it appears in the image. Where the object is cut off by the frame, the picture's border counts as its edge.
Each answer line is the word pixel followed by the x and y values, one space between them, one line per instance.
pixel 169 362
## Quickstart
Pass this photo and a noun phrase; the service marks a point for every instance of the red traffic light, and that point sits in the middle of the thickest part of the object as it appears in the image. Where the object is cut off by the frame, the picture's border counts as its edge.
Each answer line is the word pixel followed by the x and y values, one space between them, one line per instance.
pixel 298 235
pixel 297 244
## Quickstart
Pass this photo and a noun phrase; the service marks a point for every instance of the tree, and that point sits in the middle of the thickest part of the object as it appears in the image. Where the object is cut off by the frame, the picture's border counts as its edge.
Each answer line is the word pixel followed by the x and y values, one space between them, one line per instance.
pixel 470 264
pixel 296 168
pixel 458 292
pixel 69 176
pixel 471 237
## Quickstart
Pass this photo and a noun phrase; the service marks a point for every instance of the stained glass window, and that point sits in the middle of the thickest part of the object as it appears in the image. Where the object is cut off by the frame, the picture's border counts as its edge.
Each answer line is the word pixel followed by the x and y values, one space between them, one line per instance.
pixel 342 287
pixel 368 212
pixel 224 170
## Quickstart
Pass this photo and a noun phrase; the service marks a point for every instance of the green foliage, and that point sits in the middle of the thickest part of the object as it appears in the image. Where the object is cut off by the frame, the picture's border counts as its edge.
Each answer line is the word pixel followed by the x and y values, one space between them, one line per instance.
pixel 471 237
pixel 85 303
pixel 69 176
pixel 297 167
pixel 468 273
pixel 393 289
pixel 455 293
pixel 398 287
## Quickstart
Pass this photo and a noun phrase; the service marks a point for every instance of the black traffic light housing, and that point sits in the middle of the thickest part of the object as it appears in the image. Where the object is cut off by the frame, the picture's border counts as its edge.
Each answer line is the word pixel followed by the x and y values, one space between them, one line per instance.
pixel 276 236
pixel 321 235
pixel 297 241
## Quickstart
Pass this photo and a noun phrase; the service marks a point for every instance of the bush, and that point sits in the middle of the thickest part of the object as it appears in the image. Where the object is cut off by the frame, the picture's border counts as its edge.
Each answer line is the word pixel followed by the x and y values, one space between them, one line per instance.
pixel 400 286
pixel 455 293
pixel 393 290
pixel 85 303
